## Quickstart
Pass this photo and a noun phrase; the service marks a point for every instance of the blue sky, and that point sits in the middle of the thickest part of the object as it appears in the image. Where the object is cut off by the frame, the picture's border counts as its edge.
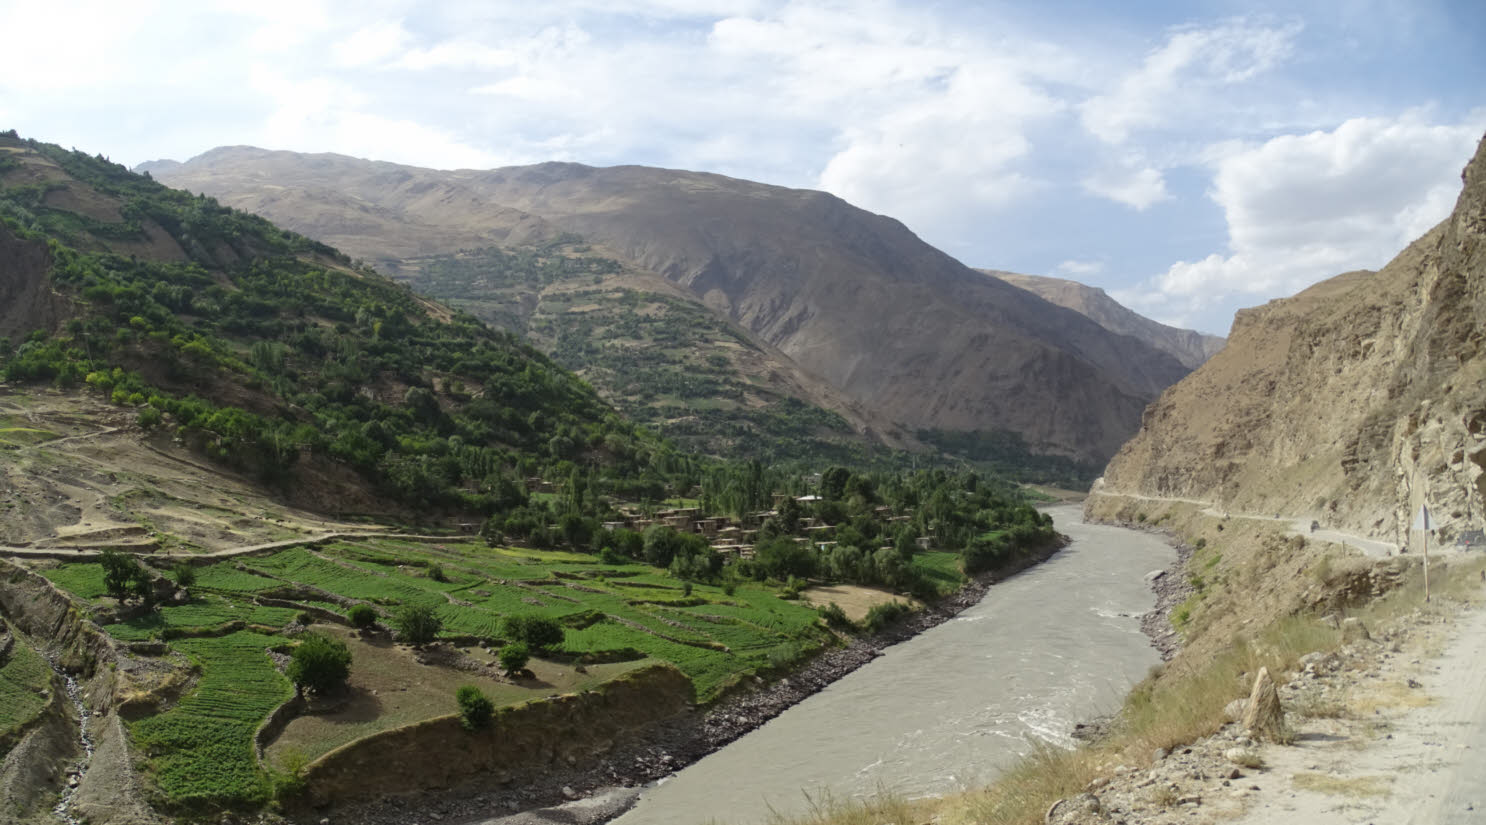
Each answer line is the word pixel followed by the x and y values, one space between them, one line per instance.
pixel 1190 157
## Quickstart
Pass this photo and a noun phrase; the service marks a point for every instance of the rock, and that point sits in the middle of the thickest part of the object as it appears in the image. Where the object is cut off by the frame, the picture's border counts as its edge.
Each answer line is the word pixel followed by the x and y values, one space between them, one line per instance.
pixel 1353 630
pixel 1233 711
pixel 1154 575
pixel 1264 718
pixel 567 791
pixel 1160 753
pixel 1242 756
pixel 1074 810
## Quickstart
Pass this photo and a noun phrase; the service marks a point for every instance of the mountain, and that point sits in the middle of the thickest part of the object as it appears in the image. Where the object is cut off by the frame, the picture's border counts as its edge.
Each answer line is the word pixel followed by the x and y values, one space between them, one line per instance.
pixel 850 297
pixel 1190 347
pixel 271 356
pixel 1352 403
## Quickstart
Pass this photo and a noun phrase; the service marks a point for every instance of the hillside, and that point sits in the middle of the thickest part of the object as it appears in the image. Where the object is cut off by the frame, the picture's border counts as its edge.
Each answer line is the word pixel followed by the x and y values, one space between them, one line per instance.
pixel 851 297
pixel 273 357
pixel 1190 347
pixel 1351 403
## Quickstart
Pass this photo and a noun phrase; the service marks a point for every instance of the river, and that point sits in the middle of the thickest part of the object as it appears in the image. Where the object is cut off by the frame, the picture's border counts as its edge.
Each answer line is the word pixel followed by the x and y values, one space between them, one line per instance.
pixel 947 709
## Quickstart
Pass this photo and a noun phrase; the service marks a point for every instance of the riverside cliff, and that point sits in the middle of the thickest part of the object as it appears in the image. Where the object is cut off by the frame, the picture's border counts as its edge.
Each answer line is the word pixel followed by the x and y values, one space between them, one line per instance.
pixel 1351 403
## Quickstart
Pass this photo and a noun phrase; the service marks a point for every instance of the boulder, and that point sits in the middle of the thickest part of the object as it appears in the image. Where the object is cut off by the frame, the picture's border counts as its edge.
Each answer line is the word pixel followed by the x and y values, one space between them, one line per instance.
pixel 1075 810
pixel 1264 718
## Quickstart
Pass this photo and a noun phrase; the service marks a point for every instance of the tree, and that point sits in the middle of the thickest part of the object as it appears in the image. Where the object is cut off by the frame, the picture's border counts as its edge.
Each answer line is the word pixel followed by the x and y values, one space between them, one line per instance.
pixel 319 663
pixel 475 708
pixel 124 577
pixel 537 632
pixel 513 657
pixel 417 624
pixel 119 571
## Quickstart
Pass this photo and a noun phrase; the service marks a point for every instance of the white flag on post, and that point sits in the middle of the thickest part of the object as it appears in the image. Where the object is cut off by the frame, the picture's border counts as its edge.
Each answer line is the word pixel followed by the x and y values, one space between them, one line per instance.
pixel 1423 521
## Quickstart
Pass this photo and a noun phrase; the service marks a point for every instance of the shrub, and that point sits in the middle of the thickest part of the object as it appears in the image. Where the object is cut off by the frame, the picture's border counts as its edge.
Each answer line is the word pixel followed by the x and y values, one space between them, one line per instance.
pixel 513 657
pixel 834 616
pixel 305 618
pixel 149 418
pixel 537 632
pixel 880 616
pixel 475 708
pixel 319 663
pixel 417 624
pixel 183 573
pixel 362 616
pixel 436 572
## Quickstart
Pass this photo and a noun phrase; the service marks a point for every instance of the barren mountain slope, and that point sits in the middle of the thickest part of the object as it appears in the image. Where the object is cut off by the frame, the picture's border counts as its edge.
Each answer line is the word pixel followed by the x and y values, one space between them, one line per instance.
pixel 1190 347
pixel 853 297
pixel 1352 402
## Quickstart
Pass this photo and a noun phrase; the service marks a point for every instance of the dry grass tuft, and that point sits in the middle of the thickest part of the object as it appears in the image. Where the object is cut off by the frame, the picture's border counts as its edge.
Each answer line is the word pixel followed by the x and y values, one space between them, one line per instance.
pixel 1373 786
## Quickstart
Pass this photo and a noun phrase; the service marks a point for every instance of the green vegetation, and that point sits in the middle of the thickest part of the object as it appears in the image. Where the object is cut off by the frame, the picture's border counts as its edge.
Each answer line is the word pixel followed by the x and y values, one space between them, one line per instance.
pixel 362 616
pixel 513 658
pixel 25 687
pixel 417 624
pixel 475 708
pixel 1006 453
pixel 200 751
pixel 270 353
pixel 666 363
pixel 319 664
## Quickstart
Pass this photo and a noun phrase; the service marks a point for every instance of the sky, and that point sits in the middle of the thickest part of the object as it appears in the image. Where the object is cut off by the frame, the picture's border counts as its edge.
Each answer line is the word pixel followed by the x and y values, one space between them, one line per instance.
pixel 1190 157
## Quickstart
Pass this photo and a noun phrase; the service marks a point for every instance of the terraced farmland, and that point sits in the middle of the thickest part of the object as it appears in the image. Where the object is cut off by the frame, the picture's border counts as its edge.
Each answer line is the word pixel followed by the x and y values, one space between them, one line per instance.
pixel 201 749
pixel 25 688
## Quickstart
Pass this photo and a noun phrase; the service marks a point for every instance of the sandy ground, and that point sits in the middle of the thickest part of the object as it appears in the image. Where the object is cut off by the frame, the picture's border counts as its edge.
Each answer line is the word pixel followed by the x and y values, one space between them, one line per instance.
pixel 854 600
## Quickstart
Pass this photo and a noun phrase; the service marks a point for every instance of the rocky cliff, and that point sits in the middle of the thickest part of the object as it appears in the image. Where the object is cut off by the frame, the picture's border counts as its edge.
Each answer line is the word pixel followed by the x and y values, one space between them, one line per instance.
pixel 1353 402
pixel 854 298
pixel 1188 346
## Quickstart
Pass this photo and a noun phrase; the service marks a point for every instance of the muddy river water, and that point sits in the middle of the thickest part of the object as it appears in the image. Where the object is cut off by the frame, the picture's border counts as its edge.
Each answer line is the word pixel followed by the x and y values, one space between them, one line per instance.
pixel 949 708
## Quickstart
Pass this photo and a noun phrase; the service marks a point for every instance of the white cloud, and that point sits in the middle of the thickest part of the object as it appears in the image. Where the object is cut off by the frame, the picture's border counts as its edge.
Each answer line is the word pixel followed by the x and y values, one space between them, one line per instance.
pixel 1300 208
pixel 1137 188
pixel 370 45
pixel 1178 79
pixel 1077 269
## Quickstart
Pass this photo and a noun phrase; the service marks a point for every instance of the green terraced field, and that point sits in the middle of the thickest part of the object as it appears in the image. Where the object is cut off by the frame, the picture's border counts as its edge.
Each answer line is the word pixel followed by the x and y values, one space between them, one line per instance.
pixel 201 752
pixel 25 686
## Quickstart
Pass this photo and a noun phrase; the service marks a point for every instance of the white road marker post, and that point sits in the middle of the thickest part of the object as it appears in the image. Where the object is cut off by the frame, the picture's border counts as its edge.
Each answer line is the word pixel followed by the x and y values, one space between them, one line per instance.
pixel 1424 523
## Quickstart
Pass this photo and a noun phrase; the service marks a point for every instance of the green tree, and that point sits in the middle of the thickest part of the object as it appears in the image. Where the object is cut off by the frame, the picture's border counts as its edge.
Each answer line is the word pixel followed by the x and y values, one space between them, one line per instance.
pixel 119 571
pixel 513 657
pixel 537 632
pixel 417 624
pixel 320 663
pixel 475 708
pixel 183 573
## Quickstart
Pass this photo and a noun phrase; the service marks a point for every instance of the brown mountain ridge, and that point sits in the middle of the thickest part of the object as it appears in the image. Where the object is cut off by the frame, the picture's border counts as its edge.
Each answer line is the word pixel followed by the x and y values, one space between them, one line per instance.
pixel 851 297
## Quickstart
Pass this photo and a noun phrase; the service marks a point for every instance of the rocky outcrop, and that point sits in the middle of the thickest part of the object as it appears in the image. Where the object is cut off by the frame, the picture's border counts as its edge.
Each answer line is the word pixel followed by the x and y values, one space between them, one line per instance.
pixel 1351 403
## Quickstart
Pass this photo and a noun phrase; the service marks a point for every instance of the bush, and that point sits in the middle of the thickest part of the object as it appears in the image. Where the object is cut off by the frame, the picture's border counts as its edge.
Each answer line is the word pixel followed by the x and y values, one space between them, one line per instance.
pixel 513 657
pixel 362 616
pixel 319 663
pixel 436 572
pixel 305 618
pixel 149 418
pixel 834 616
pixel 183 573
pixel 537 632
pixel 880 616
pixel 417 624
pixel 475 708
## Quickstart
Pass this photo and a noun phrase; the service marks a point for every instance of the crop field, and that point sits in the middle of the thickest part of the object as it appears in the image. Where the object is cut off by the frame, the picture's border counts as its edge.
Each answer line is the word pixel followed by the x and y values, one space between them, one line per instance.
pixel 201 752
pixel 940 567
pixel 25 685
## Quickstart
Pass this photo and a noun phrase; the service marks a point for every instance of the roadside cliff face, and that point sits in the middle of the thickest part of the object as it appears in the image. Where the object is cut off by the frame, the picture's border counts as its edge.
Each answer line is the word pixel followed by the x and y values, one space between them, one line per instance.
pixel 1353 402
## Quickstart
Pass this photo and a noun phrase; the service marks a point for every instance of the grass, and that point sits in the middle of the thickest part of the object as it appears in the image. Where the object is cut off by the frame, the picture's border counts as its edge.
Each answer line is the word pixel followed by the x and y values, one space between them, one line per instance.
pixel 14 437
pixel 25 688
pixel 200 752
pixel 942 568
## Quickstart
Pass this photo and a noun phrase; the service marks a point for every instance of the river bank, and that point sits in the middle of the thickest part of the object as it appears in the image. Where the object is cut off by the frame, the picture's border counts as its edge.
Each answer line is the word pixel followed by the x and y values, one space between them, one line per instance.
pixel 592 794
